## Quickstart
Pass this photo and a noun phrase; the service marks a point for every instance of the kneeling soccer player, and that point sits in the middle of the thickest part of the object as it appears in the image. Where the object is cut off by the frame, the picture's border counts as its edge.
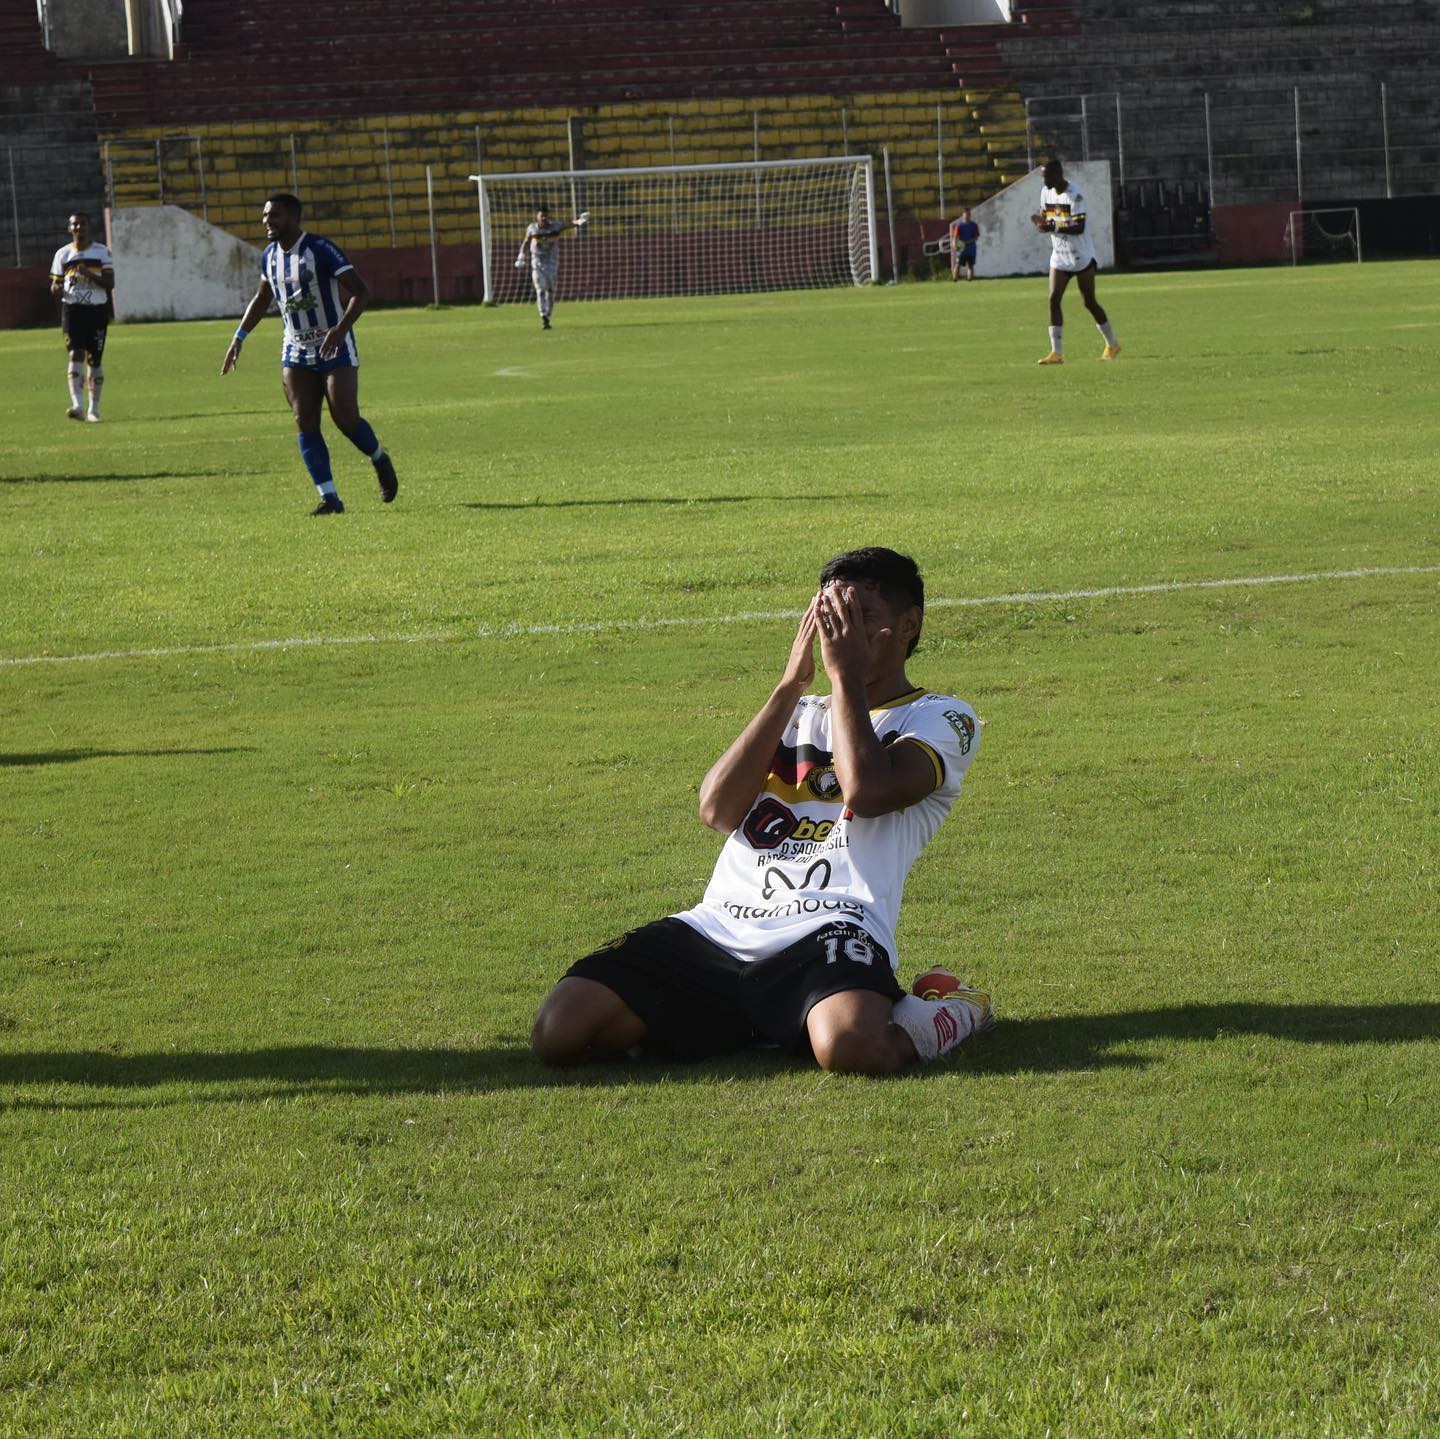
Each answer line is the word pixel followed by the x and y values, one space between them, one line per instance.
pixel 307 276
pixel 827 802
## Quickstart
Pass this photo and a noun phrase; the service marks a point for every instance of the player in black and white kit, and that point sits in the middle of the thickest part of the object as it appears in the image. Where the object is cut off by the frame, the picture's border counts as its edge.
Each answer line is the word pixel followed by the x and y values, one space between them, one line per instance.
pixel 1062 217
pixel 826 802
pixel 82 275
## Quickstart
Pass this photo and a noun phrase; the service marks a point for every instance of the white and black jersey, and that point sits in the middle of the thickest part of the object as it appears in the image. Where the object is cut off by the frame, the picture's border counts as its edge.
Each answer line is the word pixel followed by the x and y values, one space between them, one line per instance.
pixel 800 859
pixel 79 273
pixel 1064 211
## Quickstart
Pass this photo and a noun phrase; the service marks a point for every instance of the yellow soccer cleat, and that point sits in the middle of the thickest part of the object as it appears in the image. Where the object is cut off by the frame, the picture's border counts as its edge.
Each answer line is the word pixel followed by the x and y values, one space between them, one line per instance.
pixel 1112 352
pixel 1053 358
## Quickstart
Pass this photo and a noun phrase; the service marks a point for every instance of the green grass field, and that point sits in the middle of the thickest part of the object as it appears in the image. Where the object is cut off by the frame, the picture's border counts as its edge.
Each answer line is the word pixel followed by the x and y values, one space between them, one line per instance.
pixel 302 818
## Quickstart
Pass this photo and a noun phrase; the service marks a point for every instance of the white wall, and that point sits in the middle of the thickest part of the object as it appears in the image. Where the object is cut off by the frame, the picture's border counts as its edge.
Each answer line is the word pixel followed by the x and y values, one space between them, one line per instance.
pixel 172 265
pixel 1011 245
pixel 917 14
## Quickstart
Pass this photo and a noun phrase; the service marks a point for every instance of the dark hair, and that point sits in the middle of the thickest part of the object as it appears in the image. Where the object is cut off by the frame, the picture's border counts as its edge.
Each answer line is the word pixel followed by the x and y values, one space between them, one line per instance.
pixel 282 197
pixel 542 209
pixel 895 576
pixel 79 215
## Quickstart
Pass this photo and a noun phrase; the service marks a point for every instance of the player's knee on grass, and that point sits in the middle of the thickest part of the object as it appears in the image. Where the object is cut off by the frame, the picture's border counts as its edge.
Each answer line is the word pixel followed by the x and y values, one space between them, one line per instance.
pixel 852 1051
pixel 580 1018
pixel 851 1033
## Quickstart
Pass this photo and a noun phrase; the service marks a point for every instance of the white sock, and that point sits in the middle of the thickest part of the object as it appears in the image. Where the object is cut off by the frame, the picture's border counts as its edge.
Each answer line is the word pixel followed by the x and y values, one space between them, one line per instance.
pixel 97 379
pixel 1057 341
pixel 935 1026
pixel 76 377
pixel 1108 332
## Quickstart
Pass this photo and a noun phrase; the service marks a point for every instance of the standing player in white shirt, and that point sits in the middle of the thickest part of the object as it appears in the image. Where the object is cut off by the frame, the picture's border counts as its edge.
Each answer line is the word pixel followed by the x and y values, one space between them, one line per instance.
pixel 826 802
pixel 1062 217
pixel 82 274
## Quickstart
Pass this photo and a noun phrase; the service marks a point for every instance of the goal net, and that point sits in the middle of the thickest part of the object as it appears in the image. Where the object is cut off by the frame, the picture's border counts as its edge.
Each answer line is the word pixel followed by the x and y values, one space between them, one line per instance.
pixel 1320 235
pixel 686 229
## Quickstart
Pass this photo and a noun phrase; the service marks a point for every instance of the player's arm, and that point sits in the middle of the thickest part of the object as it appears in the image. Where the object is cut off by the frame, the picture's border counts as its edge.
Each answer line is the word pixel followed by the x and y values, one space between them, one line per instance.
pixel 105 275
pixel 736 777
pixel 875 779
pixel 254 312
pixel 357 296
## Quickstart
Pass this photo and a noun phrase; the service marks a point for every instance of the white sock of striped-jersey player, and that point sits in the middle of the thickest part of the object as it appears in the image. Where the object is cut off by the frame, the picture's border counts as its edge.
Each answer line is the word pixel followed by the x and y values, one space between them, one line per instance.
pixel 1323 235
pixel 686 229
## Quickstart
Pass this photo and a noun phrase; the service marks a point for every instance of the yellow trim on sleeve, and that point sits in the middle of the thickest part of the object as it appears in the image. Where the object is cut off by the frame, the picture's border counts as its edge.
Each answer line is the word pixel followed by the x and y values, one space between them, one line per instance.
pixel 934 756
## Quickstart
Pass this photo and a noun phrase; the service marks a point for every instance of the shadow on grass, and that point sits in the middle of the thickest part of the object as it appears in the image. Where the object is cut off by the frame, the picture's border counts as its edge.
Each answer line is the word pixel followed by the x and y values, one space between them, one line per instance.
pixel 70 756
pixel 1096 1041
pixel 109 479
pixel 1024 1046
pixel 680 501
pixel 253 1076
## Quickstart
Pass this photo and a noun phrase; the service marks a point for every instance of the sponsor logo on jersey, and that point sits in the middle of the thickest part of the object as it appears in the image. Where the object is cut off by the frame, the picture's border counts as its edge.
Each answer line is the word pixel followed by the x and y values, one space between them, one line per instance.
pixel 795 907
pixel 770 824
pixel 816 877
pixel 964 728
pixel 767 825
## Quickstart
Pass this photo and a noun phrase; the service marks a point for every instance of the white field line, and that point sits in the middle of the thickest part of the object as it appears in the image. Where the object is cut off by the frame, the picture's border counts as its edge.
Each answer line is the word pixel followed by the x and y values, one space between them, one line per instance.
pixel 588 627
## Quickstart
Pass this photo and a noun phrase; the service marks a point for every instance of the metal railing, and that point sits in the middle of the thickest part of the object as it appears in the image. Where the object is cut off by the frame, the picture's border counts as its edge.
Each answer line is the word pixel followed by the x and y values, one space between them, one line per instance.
pixel 1358 141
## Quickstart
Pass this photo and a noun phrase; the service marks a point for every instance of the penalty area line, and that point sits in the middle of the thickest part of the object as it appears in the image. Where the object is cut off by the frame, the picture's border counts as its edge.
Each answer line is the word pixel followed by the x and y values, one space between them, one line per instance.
pixel 595 627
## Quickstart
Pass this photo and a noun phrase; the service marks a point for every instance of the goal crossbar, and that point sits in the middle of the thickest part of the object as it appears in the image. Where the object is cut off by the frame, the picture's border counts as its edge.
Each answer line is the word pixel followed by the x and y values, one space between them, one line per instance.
pixel 685 229
pixel 578 175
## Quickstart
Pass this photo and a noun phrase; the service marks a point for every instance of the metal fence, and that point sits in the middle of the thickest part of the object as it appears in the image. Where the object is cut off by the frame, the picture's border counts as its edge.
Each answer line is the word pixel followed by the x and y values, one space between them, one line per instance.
pixel 1358 141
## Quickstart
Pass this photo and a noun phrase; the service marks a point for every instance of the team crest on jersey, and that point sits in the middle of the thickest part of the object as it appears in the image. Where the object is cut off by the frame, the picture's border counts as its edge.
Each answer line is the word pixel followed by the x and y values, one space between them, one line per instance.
pixel 964 728
pixel 824 785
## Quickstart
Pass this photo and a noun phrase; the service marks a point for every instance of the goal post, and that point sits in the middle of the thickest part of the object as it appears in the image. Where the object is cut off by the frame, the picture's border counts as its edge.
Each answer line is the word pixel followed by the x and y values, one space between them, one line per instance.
pixel 1315 235
pixel 686 229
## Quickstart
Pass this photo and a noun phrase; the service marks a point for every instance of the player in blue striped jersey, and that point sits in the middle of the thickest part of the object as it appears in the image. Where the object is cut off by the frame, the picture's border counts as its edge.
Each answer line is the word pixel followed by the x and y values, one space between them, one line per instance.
pixel 320 296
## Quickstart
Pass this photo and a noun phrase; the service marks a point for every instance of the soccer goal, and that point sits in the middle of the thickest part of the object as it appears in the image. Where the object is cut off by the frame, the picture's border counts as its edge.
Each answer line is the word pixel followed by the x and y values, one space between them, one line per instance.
pixel 686 229
pixel 1318 235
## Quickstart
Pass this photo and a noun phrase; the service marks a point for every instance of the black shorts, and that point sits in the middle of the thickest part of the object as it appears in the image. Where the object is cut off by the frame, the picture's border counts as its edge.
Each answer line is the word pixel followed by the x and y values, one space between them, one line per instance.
pixel 696 999
pixel 83 327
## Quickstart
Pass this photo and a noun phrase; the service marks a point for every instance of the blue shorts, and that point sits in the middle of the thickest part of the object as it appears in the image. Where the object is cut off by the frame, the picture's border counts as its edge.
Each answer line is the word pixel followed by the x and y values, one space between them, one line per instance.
pixel 317 366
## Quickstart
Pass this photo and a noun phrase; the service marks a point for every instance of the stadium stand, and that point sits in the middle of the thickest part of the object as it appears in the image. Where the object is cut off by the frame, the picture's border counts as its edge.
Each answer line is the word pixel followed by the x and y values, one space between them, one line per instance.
pixel 1249 58
pixel 963 110
pixel 48 145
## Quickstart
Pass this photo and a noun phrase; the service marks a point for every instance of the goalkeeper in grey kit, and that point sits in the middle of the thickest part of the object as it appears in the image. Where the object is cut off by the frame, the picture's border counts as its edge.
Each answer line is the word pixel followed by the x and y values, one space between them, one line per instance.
pixel 539 247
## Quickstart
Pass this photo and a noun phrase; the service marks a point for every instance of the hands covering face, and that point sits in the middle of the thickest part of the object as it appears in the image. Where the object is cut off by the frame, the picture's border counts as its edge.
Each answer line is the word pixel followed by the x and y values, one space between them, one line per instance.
pixel 847 645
